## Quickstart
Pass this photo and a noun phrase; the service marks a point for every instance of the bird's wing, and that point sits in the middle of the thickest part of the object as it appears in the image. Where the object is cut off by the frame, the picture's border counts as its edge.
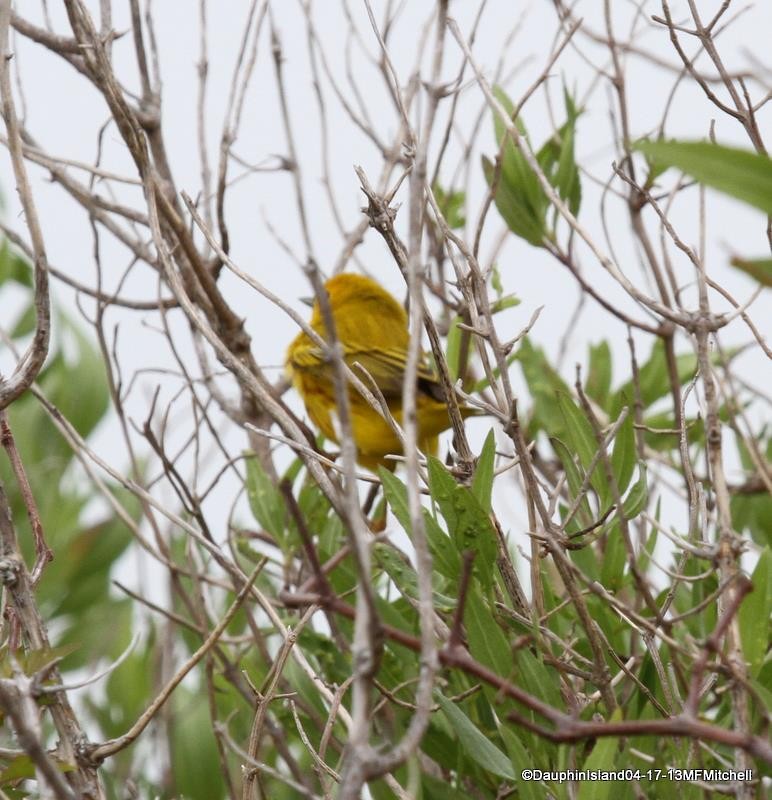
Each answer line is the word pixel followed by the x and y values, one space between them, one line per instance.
pixel 306 356
pixel 387 368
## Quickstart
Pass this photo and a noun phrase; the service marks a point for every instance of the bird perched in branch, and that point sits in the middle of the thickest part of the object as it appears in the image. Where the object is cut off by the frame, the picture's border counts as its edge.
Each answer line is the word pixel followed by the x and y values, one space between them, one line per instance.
pixel 371 326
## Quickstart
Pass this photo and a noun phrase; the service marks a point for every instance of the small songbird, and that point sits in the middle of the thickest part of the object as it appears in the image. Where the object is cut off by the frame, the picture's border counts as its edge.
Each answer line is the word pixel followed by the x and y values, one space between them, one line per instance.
pixel 372 328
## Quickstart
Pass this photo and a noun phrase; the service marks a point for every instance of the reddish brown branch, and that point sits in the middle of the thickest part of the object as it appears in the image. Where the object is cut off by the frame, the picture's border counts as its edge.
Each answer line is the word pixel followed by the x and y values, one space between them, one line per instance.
pixel 43 553
pixel 565 728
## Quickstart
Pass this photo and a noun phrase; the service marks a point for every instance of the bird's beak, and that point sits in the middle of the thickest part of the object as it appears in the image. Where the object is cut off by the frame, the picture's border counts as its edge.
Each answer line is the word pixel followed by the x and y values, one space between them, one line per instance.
pixel 309 301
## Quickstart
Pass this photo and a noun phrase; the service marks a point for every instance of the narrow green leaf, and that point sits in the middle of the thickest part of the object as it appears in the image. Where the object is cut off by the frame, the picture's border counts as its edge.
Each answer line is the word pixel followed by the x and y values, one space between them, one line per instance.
pixel 503 303
pixel 198 775
pixel 442 487
pixel 313 504
pixel 567 179
pixel 762 688
pixel 482 482
pixel 520 219
pixel 496 283
pixel 475 743
pixel 453 348
pixel 575 478
pixel 401 572
pixel 484 383
pixel 755 612
pixel 623 456
pixel 396 496
pixel 265 501
pixel 25 323
pixel 82 366
pixel 653 378
pixel 14 267
pixel 404 576
pixel 17 769
pixel 521 760
pixel 758 268
pixel 598 381
pixel 445 556
pixel 580 435
pixel 451 204
pixel 644 557
pixel 487 642
pixel 614 557
pixel 742 174
pixel 517 172
pixel 601 758
pixel 638 497
pixel 543 384
pixel 537 678
pixel 436 789
pixel 468 524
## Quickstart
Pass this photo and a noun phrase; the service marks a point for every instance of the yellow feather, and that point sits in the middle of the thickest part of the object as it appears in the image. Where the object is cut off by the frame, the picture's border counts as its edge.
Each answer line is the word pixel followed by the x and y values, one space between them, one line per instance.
pixel 372 329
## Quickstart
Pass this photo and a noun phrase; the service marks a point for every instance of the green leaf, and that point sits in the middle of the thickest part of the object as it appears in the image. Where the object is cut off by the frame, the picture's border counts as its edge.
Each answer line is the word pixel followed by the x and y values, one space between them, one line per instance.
pixel 19 768
pixel 754 614
pixel 638 497
pixel 129 689
pixel 575 478
pixel 520 198
pixel 436 789
pixel 469 525
pixel 653 378
pixel 580 435
pixel 193 749
pixel 313 505
pixel 758 268
pixel 482 482
pixel 445 556
pixel 520 219
pixel 102 629
pixel 498 287
pixel 623 456
pixel 742 174
pixel 484 383
pixel 644 557
pixel 14 266
pixel 404 576
pixel 451 204
pixel 762 686
pixel 521 759
pixel 396 495
pixel 84 409
pixel 556 158
pixel 475 743
pixel 25 323
pixel 614 557
pixel 265 500
pixel 598 381
pixel 487 642
pixel 503 303
pixel 517 172
pixel 601 758
pixel 543 384
pixel 539 680
pixel 753 512
pixel 89 559
pixel 453 348
pixel 567 179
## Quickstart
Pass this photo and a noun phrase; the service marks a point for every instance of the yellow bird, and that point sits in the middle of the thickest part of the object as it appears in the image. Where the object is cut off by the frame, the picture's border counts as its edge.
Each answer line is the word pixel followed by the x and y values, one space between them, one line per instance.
pixel 372 328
